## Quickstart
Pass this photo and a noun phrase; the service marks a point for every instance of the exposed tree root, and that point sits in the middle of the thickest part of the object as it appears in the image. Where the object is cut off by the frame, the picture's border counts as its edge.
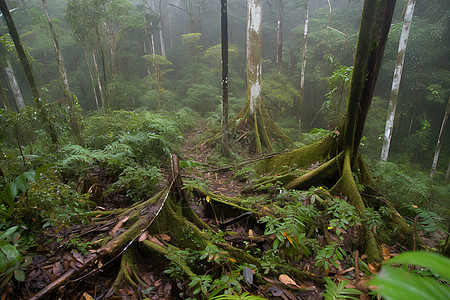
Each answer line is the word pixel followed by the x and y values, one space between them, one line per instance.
pixel 335 173
pixel 134 239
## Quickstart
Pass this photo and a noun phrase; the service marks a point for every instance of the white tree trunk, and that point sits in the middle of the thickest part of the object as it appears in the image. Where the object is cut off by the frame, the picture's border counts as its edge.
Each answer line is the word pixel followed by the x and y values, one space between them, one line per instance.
pixel 439 142
pixel 17 94
pixel 254 54
pixel 102 98
pixel 161 37
pixel 396 80
pixel 303 72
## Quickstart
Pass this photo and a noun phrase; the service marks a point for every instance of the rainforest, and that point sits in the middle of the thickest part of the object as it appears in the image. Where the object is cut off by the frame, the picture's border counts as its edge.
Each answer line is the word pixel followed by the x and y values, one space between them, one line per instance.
pixel 224 149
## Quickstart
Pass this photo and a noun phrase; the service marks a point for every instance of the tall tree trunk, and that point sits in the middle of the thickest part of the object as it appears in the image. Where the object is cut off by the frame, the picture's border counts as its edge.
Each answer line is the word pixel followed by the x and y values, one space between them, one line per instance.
pixel 374 31
pixel 396 81
pixel 254 60
pixel 280 36
pixel 17 94
pixel 439 142
pixel 68 96
pixel 99 83
pixel 161 36
pixel 224 38
pixel 48 126
pixel 92 78
pixel 303 72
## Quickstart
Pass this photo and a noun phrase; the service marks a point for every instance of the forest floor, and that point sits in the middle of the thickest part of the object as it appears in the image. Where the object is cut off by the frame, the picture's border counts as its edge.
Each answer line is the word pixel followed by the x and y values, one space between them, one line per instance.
pixel 65 265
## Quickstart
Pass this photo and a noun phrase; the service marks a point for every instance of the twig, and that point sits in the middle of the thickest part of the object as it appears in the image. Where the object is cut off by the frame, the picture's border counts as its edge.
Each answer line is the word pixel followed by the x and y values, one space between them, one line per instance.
pixel 357 266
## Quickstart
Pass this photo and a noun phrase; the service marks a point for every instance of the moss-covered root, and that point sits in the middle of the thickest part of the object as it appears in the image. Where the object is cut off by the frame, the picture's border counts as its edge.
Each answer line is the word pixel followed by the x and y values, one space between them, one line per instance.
pixel 128 272
pixel 347 185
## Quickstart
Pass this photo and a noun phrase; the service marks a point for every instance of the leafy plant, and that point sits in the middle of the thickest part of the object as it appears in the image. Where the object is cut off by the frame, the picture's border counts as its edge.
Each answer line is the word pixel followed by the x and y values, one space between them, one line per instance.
pixel 16 187
pixel 401 284
pixel 339 291
pixel 343 215
pixel 243 296
pixel 12 262
pixel 330 254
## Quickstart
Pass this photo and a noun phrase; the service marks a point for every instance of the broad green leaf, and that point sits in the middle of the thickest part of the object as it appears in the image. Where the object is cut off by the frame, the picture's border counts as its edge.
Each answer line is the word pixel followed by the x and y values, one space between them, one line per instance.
pixel 5 196
pixel 397 284
pixel 11 252
pixel 437 263
pixel 30 175
pixel 21 183
pixel 19 275
pixel 8 232
pixel 4 263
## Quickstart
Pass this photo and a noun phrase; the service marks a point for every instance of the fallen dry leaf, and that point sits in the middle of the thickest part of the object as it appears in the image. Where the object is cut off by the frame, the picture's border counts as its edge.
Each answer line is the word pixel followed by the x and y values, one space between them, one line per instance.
pixel 143 236
pixel 155 241
pixel 287 280
pixel 385 252
pixel 164 237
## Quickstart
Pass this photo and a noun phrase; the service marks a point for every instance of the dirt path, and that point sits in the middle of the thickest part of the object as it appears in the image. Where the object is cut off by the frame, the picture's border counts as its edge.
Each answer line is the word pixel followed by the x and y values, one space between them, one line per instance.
pixel 220 182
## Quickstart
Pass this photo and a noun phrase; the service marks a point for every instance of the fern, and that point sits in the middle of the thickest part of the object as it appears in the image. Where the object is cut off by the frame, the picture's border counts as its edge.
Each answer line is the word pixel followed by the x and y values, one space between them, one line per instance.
pixel 243 296
pixel 338 291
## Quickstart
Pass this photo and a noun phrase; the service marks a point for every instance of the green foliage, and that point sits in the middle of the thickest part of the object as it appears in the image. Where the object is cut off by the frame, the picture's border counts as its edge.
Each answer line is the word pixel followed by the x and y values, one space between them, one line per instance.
pixel 202 98
pixel 13 244
pixel 278 94
pixel 138 182
pixel 343 215
pixel 339 291
pixel 243 296
pixel 18 186
pixel 399 284
pixel 329 255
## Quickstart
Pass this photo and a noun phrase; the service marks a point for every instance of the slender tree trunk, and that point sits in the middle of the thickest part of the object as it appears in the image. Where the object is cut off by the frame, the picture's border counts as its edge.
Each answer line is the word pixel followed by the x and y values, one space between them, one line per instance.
pixel 224 37
pixel 254 54
pixel 254 61
pixel 99 83
pixel 161 36
pixel 17 94
pixel 396 81
pixel 439 142
pixel 303 71
pixel 170 26
pixel 280 36
pixel 48 126
pixel 92 78
pixel 68 96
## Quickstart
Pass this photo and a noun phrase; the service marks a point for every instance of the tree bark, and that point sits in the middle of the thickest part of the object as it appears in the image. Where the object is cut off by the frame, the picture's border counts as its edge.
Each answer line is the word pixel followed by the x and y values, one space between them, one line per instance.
pixel 17 94
pixel 375 25
pixel 303 71
pixel 224 38
pixel 280 36
pixel 161 37
pixel 439 142
pixel 68 96
pixel 396 80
